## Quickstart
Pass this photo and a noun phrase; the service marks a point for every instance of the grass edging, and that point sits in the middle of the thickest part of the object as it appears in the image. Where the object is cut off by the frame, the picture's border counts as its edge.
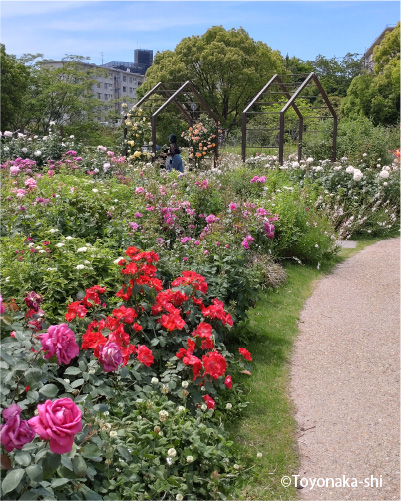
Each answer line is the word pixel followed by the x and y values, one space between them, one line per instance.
pixel 269 426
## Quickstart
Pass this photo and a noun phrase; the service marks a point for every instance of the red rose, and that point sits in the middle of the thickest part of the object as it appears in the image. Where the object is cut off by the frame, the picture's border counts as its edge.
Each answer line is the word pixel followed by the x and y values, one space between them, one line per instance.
pixel 215 364
pixel 145 355
pixel 245 353
pixel 228 382
pixel 209 401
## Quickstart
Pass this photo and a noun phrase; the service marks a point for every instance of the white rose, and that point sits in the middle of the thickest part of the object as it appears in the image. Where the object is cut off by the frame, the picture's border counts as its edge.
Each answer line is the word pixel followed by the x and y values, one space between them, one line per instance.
pixel 80 266
pixel 154 379
pixel 185 384
pixel 60 244
pixel 172 453
pixel 384 174
pixel 229 406
pixel 82 249
pixel 190 459
pixel 37 153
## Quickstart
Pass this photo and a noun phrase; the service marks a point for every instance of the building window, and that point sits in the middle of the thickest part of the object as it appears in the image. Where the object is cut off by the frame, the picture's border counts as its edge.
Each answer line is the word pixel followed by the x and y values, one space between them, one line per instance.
pixel 130 90
pixel 124 89
pixel 99 96
pixel 106 85
pixel 99 85
pixel 124 78
pixel 130 79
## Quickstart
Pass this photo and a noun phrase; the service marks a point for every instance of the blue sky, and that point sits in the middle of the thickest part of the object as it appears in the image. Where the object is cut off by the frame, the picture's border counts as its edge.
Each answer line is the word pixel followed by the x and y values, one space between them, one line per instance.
pixel 116 28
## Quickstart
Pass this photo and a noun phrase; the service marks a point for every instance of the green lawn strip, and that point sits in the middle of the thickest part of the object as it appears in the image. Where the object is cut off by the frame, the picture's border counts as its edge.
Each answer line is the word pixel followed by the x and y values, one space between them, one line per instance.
pixel 268 425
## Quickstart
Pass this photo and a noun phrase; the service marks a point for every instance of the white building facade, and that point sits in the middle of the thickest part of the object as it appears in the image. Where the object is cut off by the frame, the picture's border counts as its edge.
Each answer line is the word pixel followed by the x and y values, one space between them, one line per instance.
pixel 113 87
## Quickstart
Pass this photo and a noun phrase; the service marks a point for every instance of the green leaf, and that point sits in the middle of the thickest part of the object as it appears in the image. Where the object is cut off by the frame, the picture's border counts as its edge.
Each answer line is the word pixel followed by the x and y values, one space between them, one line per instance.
pixel 91 451
pixel 72 371
pixel 29 495
pixel 66 461
pixel 50 464
pixel 6 357
pixel 23 458
pixel 59 481
pixel 35 472
pixel 49 390
pixel 33 375
pixel 79 465
pixel 124 452
pixel 12 480
pixel 77 382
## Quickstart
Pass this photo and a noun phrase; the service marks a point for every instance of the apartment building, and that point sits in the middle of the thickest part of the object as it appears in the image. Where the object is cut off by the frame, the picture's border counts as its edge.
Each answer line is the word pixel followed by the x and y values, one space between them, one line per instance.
pixel 368 55
pixel 113 87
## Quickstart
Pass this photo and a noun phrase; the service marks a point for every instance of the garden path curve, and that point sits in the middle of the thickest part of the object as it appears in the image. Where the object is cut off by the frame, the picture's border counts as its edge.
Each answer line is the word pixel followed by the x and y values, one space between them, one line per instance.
pixel 345 377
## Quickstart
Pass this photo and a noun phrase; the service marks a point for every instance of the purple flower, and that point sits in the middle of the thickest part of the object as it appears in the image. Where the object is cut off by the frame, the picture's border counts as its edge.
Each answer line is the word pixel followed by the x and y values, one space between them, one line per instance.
pixel 245 244
pixel 138 214
pixel 16 432
pixel 59 340
pixel 134 226
pixel 232 206
pixel 110 356
pixel 2 307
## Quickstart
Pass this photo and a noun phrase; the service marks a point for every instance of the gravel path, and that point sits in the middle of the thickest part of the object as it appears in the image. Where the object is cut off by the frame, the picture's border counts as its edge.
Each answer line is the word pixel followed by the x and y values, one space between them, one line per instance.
pixel 345 380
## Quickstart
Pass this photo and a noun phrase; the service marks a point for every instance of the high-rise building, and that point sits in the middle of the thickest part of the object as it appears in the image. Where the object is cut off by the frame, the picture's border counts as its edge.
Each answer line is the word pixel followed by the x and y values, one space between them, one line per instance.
pixel 143 59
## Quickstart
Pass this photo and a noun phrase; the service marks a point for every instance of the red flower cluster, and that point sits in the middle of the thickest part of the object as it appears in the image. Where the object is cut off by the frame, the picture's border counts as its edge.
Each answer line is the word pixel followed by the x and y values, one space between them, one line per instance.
pixel 204 331
pixel 141 270
pixel 92 297
pixel 79 308
pixel 216 310
pixel 209 401
pixel 189 359
pixel 214 363
pixel 168 301
pixel 191 278
pixel 245 353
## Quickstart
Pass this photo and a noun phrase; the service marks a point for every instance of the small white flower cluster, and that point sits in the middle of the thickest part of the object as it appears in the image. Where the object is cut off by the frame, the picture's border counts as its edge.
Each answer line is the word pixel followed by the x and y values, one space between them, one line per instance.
pixel 163 415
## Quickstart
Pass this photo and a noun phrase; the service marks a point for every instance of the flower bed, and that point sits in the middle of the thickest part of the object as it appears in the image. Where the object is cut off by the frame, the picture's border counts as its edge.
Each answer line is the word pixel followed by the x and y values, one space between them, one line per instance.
pixel 121 390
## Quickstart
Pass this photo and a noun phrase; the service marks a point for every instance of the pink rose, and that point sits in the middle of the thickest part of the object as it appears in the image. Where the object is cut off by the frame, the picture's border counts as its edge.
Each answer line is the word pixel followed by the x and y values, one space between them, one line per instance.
pixel 110 356
pixel 16 432
pixel 2 307
pixel 59 340
pixel 59 422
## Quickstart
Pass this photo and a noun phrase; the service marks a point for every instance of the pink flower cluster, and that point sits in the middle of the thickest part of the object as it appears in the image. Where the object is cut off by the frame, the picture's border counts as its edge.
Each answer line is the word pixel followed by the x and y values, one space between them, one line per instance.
pixel 257 179
pixel 247 240
pixel 57 421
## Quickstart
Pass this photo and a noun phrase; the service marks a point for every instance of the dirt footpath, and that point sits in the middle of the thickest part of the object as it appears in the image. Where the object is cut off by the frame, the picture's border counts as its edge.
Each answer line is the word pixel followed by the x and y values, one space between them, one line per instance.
pixel 346 380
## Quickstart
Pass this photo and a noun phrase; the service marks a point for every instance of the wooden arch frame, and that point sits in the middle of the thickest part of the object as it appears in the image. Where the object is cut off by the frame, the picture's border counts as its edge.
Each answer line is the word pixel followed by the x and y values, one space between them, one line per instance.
pixel 291 96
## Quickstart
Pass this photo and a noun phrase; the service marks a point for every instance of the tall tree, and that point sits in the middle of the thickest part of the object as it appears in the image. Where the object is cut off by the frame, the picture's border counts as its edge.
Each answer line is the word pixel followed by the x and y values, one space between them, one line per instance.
pixel 61 93
pixel 226 66
pixel 14 85
pixel 377 95
pixel 336 74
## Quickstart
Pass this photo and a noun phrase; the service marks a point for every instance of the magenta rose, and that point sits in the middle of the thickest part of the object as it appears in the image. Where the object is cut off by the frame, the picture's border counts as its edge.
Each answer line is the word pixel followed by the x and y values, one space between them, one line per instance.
pixel 110 356
pixel 2 307
pixel 59 422
pixel 16 432
pixel 59 340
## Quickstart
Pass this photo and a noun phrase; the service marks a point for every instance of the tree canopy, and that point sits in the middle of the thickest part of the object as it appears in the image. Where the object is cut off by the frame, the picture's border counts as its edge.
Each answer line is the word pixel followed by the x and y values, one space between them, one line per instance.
pixel 14 85
pixel 377 95
pixel 61 94
pixel 226 66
